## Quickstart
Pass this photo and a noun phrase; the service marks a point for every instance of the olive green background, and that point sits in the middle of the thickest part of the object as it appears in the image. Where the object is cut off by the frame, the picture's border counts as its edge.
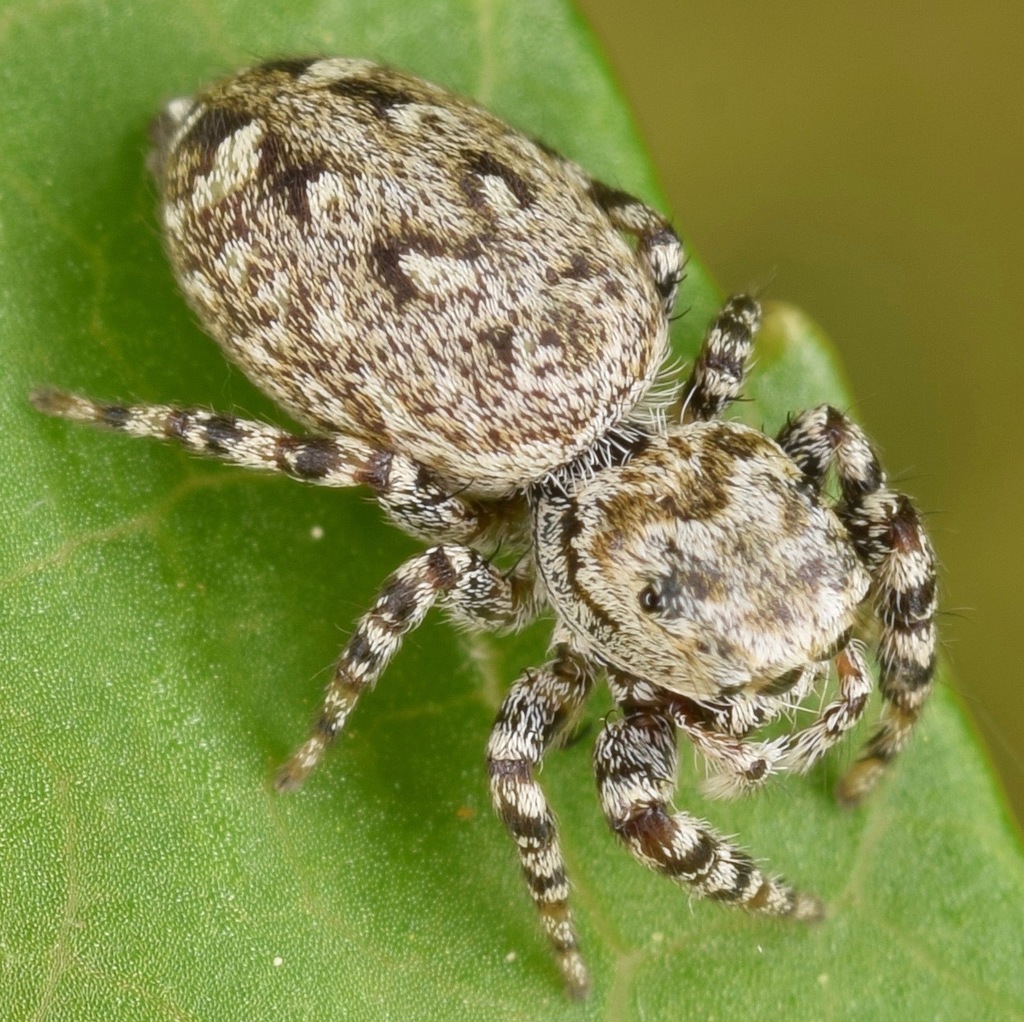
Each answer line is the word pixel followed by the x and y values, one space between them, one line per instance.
pixel 865 161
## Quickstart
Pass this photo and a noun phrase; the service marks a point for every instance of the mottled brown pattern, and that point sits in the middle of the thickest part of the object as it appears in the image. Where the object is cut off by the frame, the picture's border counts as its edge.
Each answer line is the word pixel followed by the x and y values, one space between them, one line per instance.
pixel 378 96
pixel 485 164
pixel 427 246
pixel 752 574
pixel 207 132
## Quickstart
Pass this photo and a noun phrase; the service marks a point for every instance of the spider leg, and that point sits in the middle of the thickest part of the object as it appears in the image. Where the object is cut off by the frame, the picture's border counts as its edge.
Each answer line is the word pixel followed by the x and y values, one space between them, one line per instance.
pixel 802 749
pixel 740 764
pixel 540 708
pixel 887 532
pixel 717 730
pixel 748 764
pixel 460 578
pixel 635 761
pixel 405 489
pixel 721 365
pixel 658 245
pixel 743 764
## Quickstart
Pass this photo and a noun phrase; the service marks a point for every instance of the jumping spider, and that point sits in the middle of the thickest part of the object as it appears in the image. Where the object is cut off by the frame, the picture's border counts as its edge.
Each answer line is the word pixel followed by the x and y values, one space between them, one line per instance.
pixel 474 327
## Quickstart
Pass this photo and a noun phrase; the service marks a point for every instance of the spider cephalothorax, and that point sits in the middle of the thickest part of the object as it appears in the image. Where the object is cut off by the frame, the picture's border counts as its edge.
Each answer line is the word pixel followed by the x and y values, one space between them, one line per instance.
pixel 705 564
pixel 474 327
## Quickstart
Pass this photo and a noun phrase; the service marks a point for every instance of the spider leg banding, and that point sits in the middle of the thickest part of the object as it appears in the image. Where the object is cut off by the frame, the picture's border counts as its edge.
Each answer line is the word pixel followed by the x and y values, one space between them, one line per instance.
pixel 470 588
pixel 635 761
pixel 407 491
pixel 540 709
pixel 888 534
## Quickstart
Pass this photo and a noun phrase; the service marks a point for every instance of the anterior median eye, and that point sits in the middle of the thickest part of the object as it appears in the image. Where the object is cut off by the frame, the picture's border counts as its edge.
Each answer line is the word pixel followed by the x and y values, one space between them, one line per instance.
pixel 650 599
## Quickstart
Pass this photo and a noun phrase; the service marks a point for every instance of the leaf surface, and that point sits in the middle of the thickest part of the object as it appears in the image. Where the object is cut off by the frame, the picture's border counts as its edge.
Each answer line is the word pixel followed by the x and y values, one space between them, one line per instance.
pixel 167 622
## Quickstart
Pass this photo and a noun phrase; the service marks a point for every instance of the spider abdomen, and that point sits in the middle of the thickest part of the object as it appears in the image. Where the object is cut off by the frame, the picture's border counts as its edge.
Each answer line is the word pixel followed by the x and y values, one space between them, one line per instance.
pixel 390 261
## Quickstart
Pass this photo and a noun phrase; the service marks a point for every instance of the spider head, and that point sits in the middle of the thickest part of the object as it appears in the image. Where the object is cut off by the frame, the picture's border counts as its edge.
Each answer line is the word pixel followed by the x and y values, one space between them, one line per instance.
pixel 704 564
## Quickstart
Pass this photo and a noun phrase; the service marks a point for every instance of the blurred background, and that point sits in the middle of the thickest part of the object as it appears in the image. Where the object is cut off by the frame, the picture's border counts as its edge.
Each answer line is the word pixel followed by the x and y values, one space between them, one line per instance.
pixel 865 161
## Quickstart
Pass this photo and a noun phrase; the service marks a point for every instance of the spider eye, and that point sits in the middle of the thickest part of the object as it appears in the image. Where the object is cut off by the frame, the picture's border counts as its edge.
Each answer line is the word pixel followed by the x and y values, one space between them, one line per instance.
pixel 650 599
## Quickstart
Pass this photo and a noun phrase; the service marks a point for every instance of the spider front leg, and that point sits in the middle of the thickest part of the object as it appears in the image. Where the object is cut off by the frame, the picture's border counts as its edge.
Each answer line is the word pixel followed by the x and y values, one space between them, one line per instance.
pixel 538 711
pixel 802 749
pixel 744 764
pixel 467 584
pixel 717 729
pixel 887 532
pixel 407 491
pixel 635 761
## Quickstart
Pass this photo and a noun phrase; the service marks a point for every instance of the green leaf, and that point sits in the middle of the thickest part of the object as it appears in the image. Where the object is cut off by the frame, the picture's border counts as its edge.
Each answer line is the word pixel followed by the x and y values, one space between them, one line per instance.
pixel 166 623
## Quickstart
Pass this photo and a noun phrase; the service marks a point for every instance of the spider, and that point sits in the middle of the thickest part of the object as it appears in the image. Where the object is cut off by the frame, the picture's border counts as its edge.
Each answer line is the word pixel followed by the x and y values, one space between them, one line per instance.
pixel 473 328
